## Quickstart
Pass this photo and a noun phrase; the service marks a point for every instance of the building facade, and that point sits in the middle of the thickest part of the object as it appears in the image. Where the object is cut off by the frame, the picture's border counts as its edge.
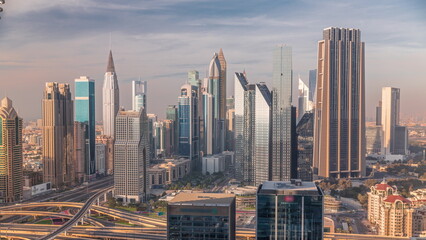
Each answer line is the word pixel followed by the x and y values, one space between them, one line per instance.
pixel 252 131
pixel 188 125
pixel 79 145
pixel 339 149
pixel 201 216
pixel 289 210
pixel 305 146
pixel 131 157
pixel 110 98
pixel 11 175
pixel 283 164
pixel 84 106
pixel 58 134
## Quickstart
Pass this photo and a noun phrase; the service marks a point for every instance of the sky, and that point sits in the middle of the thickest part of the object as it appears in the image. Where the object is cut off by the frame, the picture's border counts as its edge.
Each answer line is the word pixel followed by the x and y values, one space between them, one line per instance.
pixel 159 41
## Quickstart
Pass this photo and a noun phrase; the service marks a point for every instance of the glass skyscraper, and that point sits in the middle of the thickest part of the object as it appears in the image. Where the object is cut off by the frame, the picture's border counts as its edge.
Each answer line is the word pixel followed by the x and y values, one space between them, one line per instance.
pixel 284 164
pixel 85 113
pixel 289 210
pixel 253 131
pixel 139 91
pixel 188 125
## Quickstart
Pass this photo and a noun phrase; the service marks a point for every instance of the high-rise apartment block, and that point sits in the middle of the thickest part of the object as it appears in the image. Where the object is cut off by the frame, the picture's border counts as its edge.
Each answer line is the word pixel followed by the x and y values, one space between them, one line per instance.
pixel 131 156
pixel 85 113
pixel 139 95
pixel 252 131
pixel 284 163
pixel 11 177
pixel 58 134
pixel 339 144
pixel 110 98
pixel 201 216
pixel 289 210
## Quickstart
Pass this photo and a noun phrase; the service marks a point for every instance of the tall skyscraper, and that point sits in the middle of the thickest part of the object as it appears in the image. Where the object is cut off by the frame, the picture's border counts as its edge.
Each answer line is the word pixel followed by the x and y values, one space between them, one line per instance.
pixel 85 113
pixel 217 87
pixel 208 134
pixel 283 165
pixel 253 131
pixel 339 144
pixel 201 216
pixel 111 98
pixel 390 118
pixel 194 78
pixel 172 114
pixel 11 178
pixel 131 156
pixel 312 84
pixel 229 124
pixel 58 134
pixel 139 95
pixel 188 125
pixel 289 210
pixel 79 160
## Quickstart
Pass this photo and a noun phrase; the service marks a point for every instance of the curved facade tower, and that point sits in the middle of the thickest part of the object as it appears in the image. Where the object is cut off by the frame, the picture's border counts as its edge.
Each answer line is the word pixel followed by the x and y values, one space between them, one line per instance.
pixel 111 97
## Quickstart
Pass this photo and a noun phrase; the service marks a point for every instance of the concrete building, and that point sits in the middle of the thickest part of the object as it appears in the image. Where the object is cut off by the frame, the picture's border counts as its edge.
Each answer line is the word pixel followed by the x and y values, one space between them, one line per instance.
pixel 339 144
pixel 79 159
pixel 230 124
pixel 373 135
pixel 201 216
pixel 139 95
pixel 289 210
pixel 58 134
pixel 11 176
pixel 109 152
pixel 85 113
pixel 110 98
pixel 131 156
pixel 377 194
pixel 213 164
pixel 176 169
pixel 100 158
pixel 284 161
pixel 156 175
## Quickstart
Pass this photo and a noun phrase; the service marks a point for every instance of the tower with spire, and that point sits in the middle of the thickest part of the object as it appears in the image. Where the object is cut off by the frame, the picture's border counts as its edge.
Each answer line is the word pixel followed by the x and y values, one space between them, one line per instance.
pixel 110 98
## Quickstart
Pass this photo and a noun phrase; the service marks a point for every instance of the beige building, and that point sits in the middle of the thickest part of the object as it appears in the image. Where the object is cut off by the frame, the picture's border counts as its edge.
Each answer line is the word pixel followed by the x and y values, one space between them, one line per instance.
pixel 375 198
pixel 79 172
pixel 176 169
pixel 109 152
pixel 156 175
pixel 58 131
pixel 11 178
pixel 339 136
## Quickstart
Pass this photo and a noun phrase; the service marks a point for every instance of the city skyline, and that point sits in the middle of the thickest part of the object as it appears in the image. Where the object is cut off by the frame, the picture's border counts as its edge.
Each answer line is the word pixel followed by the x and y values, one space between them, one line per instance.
pixel 390 56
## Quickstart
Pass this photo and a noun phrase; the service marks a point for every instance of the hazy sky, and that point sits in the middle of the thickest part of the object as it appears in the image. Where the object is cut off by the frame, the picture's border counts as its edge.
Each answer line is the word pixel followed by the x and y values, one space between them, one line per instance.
pixel 159 41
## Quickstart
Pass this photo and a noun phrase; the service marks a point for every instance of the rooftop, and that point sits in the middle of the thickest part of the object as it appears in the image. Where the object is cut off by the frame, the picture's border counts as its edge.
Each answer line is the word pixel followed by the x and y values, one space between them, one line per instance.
pixel 203 199
pixel 293 187
pixel 393 198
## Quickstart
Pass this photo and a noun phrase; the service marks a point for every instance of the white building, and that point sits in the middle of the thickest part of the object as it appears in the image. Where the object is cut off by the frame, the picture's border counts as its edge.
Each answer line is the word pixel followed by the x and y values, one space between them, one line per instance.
pixel 111 98
pixel 139 90
pixel 213 164
pixel 131 156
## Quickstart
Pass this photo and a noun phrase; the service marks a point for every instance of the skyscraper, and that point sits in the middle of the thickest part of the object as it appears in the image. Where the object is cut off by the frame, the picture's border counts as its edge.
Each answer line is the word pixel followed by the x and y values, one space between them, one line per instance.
pixel 139 95
pixel 289 210
pixel 111 98
pixel 79 148
pixel 304 104
pixel 312 84
pixel 194 78
pixel 283 165
pixel 208 145
pixel 217 87
pixel 171 114
pixel 305 145
pixel 131 156
pixel 85 113
pixel 229 124
pixel 390 118
pixel 188 125
pixel 252 130
pixel 379 114
pixel 58 134
pixel 11 178
pixel 339 144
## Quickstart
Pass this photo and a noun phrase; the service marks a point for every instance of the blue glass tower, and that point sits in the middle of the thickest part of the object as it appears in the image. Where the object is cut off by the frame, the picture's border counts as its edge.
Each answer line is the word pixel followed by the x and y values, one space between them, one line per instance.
pixel 85 113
